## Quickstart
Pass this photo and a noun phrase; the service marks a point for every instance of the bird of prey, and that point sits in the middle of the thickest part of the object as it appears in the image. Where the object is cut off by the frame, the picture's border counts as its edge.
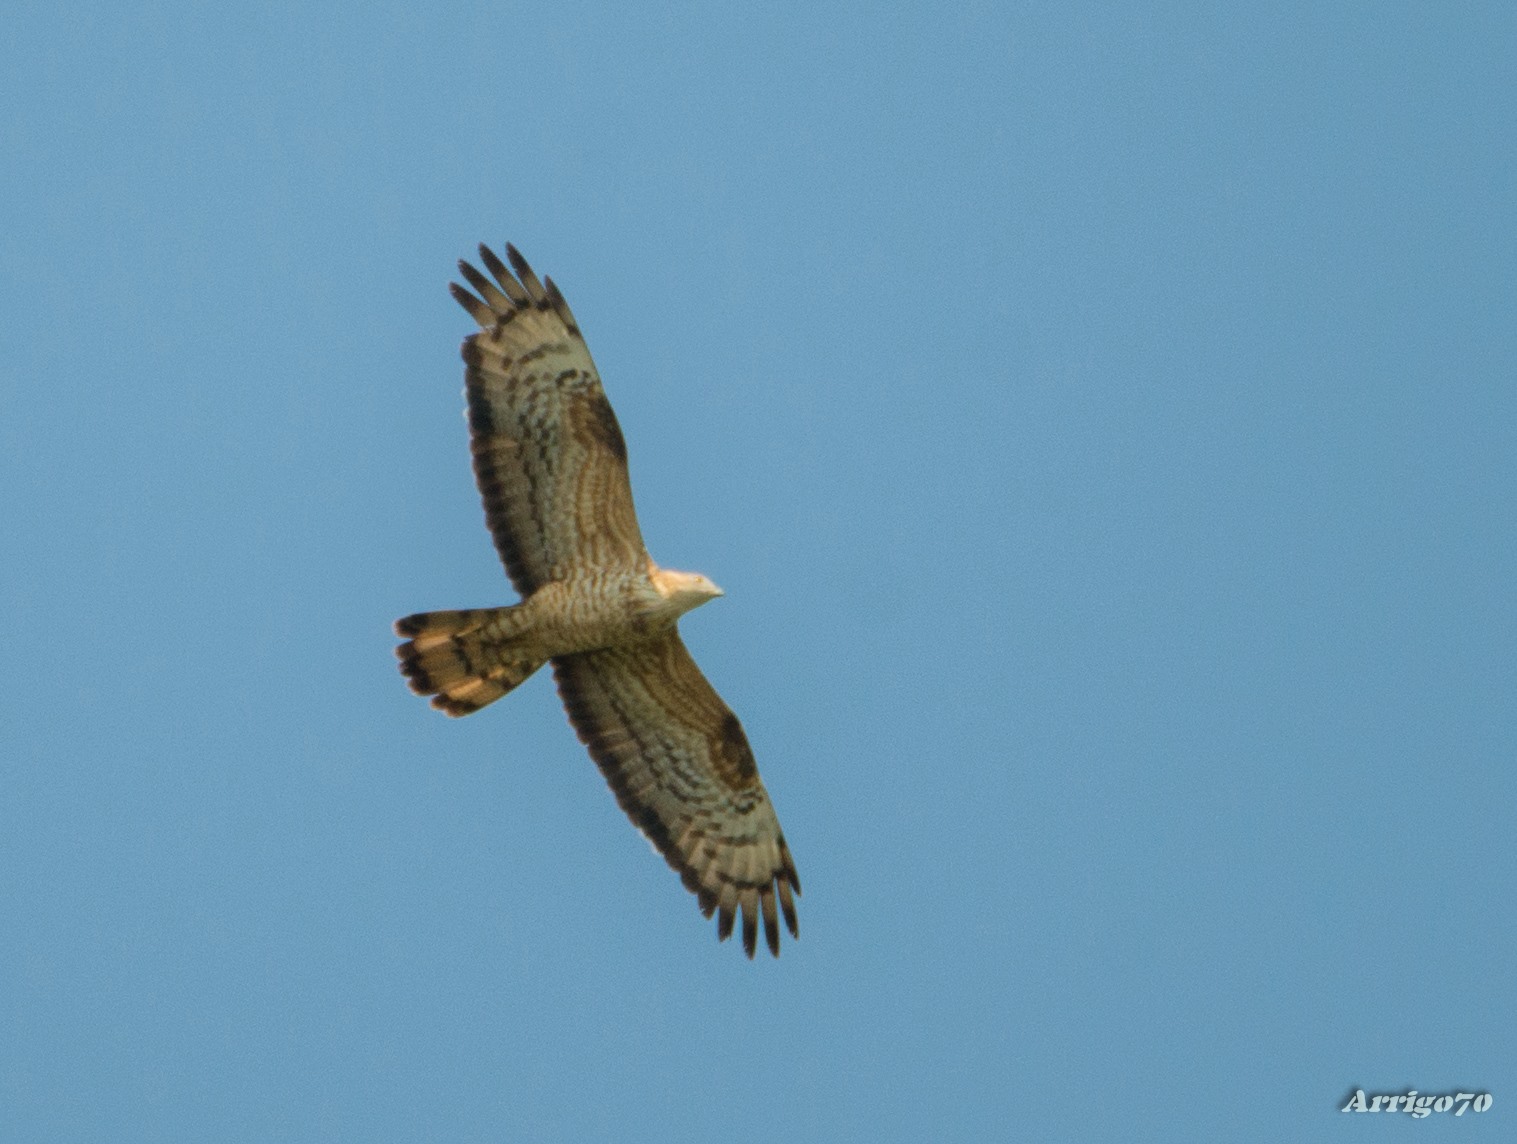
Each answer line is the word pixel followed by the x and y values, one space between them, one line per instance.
pixel 551 467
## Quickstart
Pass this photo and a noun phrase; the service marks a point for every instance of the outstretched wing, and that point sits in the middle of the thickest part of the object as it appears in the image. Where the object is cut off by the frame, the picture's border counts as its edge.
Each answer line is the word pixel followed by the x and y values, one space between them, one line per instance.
pixel 548 454
pixel 680 765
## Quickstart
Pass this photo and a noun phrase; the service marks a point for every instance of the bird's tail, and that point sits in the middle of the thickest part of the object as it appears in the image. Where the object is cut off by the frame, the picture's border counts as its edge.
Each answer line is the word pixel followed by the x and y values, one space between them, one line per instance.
pixel 466 659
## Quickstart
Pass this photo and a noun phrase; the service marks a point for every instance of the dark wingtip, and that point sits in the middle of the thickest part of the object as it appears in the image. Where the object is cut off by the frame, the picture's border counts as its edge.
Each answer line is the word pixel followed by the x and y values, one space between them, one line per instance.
pixel 493 264
pixel 750 933
pixel 787 907
pixel 481 313
pixel 452 708
pixel 533 292
pixel 706 900
pixel 561 307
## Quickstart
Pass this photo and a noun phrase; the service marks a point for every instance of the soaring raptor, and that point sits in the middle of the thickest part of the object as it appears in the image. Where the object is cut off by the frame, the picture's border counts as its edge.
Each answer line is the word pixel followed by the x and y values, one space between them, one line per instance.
pixel 551 466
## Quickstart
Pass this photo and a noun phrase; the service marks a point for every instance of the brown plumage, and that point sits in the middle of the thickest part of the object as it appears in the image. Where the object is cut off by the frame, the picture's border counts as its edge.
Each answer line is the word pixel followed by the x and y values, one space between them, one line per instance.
pixel 551 466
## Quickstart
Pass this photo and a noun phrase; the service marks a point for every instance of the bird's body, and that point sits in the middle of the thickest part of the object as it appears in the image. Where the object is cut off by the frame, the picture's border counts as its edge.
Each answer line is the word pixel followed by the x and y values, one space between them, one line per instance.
pixel 551 466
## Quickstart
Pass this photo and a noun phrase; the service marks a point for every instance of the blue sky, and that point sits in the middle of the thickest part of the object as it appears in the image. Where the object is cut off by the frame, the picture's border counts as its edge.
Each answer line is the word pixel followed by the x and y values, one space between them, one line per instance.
pixel 1103 423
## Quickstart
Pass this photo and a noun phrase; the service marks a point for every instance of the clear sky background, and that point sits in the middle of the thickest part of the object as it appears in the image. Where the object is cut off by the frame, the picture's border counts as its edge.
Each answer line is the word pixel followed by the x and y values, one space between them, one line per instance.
pixel 1103 422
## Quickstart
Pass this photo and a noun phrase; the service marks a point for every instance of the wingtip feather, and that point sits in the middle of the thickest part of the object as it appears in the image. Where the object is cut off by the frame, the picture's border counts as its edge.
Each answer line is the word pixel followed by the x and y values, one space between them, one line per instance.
pixel 525 275
pixel 499 304
pixel 787 907
pixel 492 263
pixel 771 922
pixel 560 307
pixel 481 313
pixel 513 289
pixel 750 926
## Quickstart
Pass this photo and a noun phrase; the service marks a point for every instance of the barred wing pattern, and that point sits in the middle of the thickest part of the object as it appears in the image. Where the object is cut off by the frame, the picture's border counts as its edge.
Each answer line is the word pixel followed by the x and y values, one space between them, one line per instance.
pixel 548 454
pixel 680 765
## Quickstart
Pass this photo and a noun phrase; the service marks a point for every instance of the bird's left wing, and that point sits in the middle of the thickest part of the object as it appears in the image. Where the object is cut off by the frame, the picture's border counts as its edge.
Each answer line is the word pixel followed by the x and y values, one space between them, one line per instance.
pixel 680 765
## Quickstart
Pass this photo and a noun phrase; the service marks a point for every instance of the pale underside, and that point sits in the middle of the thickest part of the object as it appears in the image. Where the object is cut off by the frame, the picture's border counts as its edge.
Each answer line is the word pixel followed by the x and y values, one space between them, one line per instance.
pixel 552 469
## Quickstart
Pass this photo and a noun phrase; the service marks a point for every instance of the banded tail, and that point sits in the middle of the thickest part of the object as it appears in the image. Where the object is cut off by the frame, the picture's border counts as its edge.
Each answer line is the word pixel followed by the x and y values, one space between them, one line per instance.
pixel 466 659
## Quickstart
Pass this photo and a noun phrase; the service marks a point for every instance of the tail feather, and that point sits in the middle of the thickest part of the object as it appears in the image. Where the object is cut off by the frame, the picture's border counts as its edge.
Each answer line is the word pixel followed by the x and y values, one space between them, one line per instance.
pixel 465 659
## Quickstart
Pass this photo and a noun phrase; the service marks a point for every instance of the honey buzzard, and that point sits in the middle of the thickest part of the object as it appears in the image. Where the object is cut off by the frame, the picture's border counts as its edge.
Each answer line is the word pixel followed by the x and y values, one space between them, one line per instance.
pixel 551 466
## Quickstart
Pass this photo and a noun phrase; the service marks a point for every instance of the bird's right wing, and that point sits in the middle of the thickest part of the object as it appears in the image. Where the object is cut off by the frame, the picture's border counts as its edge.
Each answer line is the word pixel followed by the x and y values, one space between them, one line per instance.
pixel 548 454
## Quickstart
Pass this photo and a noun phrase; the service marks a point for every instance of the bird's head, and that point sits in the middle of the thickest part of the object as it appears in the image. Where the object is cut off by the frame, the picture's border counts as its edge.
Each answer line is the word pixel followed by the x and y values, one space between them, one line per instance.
pixel 684 590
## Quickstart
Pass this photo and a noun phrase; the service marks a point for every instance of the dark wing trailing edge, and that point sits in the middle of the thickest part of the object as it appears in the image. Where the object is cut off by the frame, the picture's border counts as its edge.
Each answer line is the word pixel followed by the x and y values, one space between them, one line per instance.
pixel 677 759
pixel 549 457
